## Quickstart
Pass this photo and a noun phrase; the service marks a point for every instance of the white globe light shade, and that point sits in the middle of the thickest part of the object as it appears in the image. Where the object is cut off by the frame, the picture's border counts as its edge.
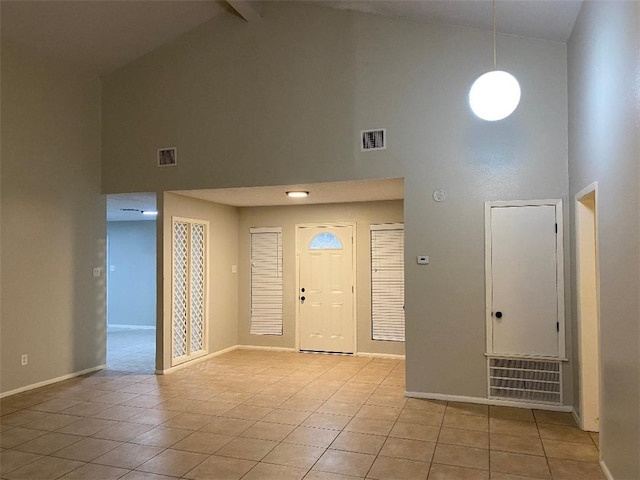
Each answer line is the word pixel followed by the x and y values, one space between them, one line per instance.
pixel 494 95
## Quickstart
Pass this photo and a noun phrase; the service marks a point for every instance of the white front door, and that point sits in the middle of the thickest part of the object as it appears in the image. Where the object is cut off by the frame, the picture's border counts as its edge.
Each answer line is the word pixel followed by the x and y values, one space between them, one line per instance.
pixel 524 273
pixel 325 288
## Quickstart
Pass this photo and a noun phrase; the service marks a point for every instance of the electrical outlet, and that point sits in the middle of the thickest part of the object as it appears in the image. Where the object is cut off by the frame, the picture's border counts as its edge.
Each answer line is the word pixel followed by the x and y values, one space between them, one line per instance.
pixel 24 359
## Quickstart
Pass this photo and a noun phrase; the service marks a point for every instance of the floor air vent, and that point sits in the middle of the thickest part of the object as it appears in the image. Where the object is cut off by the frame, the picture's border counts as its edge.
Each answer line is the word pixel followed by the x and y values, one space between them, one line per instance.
pixel 374 140
pixel 525 380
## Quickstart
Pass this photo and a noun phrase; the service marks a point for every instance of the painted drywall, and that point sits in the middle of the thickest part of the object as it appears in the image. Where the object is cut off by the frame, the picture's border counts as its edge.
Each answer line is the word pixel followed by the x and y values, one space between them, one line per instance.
pixel 223 283
pixel 53 221
pixel 604 136
pixel 363 215
pixel 283 100
pixel 131 273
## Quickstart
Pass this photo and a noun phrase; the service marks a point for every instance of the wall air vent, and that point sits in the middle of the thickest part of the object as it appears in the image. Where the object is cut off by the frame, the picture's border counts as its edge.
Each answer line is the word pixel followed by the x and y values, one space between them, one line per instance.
pixel 167 157
pixel 525 380
pixel 373 140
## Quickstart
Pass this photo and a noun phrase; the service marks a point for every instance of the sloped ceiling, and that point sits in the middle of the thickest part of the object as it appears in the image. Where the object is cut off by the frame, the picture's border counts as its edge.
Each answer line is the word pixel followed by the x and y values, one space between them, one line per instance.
pixel 103 35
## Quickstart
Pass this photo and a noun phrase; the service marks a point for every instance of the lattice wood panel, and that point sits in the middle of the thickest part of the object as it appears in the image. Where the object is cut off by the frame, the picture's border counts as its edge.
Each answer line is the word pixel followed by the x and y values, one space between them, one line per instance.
pixel 180 288
pixel 189 310
pixel 197 280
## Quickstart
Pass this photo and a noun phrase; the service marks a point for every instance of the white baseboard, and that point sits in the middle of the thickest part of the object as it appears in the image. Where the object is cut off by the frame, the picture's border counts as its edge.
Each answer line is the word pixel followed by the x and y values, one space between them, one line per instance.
pixel 489 401
pixel 44 383
pixel 392 356
pixel 273 349
pixel 577 418
pixel 195 360
pixel 605 470
pixel 287 349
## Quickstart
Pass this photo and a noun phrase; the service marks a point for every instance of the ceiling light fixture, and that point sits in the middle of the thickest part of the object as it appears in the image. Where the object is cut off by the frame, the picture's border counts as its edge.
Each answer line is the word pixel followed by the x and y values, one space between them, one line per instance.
pixel 496 94
pixel 297 194
pixel 149 212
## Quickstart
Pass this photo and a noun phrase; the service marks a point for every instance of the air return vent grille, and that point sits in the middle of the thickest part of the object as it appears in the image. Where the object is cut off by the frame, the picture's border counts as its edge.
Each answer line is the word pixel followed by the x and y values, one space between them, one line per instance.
pixel 167 157
pixel 525 380
pixel 374 140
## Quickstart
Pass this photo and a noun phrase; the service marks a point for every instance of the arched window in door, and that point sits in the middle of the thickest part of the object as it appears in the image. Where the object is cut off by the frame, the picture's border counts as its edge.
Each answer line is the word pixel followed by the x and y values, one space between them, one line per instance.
pixel 325 241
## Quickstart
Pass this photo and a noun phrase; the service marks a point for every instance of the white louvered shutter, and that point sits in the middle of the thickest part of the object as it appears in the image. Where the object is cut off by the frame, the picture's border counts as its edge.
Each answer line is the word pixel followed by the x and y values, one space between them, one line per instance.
pixel 387 282
pixel 266 281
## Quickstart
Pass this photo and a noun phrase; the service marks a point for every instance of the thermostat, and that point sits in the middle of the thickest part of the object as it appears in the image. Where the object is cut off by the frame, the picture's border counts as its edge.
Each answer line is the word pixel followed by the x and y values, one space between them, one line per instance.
pixel 422 259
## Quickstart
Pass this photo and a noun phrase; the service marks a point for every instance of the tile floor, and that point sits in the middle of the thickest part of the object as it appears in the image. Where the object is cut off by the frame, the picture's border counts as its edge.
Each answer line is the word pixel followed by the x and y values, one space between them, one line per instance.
pixel 273 415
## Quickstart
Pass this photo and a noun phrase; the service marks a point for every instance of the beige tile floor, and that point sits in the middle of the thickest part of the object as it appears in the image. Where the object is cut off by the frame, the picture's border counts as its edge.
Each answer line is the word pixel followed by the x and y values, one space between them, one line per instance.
pixel 273 415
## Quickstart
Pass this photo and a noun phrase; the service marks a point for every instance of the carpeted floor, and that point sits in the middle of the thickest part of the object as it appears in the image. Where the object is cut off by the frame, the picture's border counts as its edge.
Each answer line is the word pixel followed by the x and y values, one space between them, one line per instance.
pixel 131 349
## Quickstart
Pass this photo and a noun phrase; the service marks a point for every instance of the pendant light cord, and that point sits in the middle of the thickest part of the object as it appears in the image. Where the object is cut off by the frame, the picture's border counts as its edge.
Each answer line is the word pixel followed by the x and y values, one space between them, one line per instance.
pixel 495 62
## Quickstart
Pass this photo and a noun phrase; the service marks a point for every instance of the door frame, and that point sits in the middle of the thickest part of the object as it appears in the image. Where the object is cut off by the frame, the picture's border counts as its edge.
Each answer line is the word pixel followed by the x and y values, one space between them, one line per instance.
pixel 557 203
pixel 354 309
pixel 584 331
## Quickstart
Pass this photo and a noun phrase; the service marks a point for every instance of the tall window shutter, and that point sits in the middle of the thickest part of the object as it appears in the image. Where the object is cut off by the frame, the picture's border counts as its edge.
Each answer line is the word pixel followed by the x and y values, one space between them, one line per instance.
pixel 266 281
pixel 387 282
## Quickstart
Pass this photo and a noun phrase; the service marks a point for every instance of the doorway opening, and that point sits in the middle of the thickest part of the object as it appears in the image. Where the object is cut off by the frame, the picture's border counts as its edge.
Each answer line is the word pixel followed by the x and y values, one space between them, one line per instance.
pixel 587 276
pixel 253 274
pixel 131 283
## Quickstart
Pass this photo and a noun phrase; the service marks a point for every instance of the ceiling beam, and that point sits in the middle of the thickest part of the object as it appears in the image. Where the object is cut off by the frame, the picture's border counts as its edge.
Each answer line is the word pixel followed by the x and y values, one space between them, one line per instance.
pixel 246 9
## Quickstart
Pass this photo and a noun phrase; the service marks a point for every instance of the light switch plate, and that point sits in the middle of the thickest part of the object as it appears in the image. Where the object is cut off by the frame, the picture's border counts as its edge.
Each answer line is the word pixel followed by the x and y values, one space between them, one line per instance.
pixel 96 271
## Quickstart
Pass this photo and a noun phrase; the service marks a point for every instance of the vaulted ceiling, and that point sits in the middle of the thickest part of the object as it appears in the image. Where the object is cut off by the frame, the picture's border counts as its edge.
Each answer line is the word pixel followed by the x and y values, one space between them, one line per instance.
pixel 103 35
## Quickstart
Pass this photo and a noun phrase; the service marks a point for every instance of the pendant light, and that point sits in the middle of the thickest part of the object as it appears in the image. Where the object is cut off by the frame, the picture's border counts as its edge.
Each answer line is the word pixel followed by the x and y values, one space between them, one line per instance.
pixel 496 94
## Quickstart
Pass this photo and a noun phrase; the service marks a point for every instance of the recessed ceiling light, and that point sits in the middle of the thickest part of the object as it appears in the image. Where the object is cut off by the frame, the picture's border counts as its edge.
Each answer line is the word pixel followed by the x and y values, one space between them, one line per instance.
pixel 149 212
pixel 297 194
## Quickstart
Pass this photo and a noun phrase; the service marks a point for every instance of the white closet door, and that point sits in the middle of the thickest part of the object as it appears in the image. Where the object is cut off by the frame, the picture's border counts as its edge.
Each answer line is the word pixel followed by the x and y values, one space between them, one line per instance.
pixel 524 281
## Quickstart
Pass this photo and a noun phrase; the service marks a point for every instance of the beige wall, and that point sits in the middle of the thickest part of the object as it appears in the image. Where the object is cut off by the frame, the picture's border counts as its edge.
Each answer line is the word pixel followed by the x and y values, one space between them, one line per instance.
pixel 223 284
pixel 53 221
pixel 283 100
pixel 604 137
pixel 363 215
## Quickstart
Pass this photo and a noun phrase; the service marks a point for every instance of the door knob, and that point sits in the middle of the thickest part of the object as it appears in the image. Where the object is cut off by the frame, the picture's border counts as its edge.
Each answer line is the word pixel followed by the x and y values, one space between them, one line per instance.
pixel 302 299
pixel 498 314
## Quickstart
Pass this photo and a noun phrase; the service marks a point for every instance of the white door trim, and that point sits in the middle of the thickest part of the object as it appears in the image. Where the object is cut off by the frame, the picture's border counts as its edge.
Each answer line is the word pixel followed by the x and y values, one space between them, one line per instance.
pixel 353 275
pixel 557 203
pixel 586 421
